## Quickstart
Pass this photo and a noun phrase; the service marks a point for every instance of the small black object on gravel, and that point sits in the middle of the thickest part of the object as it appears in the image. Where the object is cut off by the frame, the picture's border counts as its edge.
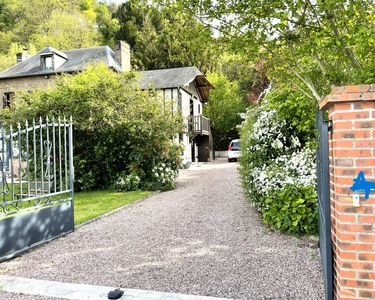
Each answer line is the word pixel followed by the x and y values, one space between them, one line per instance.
pixel 116 294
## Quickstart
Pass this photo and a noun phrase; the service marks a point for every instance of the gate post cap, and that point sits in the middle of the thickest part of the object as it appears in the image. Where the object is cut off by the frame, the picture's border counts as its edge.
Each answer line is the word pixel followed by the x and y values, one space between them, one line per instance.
pixel 349 93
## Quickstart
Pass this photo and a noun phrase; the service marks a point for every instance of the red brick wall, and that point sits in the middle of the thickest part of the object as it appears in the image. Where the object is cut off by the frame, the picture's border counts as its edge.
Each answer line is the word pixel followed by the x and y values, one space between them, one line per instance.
pixel 352 149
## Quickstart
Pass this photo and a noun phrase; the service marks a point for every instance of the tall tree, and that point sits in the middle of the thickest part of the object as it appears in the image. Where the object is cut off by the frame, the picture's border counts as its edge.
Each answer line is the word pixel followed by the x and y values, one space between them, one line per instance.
pixel 314 44
pixel 251 77
pixel 66 31
pixel 162 37
pixel 107 25
pixel 132 17
pixel 224 108
pixel 31 14
pixel 8 11
pixel 147 51
pixel 187 42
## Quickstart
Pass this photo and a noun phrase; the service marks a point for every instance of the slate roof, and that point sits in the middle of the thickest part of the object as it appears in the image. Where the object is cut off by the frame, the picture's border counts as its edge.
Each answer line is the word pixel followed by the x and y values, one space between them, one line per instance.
pixel 77 60
pixel 175 77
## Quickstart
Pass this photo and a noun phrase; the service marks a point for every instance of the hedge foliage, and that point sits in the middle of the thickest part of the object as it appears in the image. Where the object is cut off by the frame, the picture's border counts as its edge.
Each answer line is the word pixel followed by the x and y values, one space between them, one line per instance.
pixel 277 164
pixel 118 129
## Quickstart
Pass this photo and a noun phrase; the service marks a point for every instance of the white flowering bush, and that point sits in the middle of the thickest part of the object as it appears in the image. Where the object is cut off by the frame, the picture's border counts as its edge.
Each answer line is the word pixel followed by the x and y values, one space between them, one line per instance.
pixel 129 182
pixel 297 168
pixel 163 177
pixel 277 168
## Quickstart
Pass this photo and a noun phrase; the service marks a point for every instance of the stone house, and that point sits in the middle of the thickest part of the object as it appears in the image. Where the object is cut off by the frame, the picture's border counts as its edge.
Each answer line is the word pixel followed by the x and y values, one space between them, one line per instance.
pixel 187 88
pixel 41 69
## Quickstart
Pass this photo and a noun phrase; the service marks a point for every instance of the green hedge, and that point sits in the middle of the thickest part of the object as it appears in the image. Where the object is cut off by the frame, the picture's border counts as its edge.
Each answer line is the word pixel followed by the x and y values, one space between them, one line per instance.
pixel 118 129
pixel 277 164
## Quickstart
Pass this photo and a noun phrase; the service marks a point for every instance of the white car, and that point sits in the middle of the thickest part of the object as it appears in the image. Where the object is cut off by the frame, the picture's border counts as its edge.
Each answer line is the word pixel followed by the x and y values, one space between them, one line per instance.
pixel 234 150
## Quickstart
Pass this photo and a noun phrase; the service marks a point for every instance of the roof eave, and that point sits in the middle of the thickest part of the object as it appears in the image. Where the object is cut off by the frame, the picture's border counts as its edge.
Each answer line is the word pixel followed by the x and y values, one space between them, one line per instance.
pixel 43 74
pixel 203 86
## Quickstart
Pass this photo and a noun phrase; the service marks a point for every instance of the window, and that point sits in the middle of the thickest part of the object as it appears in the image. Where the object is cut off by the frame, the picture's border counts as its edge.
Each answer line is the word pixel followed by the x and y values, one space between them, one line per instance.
pixel 172 93
pixel 199 109
pixel 235 145
pixel 179 100
pixel 7 99
pixel 47 62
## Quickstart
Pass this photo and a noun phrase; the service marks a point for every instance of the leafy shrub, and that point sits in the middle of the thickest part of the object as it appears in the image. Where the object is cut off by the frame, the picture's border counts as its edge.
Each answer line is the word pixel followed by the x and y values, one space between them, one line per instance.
pixel 297 110
pixel 118 129
pixel 277 166
pixel 292 209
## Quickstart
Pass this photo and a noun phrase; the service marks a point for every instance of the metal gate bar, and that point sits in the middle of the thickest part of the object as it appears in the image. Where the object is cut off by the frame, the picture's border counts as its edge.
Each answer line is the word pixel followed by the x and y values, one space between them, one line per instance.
pixel 323 185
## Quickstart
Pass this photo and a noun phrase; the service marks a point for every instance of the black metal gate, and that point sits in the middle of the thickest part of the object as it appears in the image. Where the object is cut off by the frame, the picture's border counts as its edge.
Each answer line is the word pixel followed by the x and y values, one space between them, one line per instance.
pixel 325 243
pixel 36 182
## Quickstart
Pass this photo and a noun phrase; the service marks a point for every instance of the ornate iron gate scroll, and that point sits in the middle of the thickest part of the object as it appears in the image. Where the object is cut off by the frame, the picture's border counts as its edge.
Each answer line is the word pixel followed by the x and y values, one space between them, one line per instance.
pixel 37 178
pixel 325 243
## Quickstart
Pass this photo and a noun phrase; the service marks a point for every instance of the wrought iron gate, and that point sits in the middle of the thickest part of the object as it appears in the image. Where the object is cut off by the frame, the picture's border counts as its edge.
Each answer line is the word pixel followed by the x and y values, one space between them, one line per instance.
pixel 325 243
pixel 37 179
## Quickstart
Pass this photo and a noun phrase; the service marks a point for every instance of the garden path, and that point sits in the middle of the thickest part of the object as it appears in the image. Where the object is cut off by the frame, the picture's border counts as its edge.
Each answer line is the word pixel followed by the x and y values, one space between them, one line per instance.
pixel 202 238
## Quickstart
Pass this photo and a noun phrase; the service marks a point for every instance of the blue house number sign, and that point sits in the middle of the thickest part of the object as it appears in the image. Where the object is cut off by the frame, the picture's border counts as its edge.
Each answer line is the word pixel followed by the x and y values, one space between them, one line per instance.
pixel 360 184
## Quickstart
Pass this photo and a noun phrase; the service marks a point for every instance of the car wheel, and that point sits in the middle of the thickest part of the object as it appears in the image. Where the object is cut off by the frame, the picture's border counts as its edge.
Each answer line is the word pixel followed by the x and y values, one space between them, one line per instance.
pixel 229 160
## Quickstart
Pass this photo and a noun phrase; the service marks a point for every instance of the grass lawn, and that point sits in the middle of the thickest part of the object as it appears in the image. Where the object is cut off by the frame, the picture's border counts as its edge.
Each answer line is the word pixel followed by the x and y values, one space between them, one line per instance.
pixel 88 205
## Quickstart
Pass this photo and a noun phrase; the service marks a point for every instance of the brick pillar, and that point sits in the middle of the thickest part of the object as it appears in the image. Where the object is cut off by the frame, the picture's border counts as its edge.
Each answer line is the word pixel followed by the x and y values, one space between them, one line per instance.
pixel 352 149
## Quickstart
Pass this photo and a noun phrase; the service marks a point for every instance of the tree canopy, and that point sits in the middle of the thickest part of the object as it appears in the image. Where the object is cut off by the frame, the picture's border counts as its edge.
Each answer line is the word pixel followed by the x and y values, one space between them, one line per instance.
pixel 224 108
pixel 312 44
pixel 165 37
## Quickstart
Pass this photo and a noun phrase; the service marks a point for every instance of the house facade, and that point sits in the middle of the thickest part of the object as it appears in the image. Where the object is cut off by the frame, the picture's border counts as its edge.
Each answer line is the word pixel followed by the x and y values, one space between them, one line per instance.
pixel 186 88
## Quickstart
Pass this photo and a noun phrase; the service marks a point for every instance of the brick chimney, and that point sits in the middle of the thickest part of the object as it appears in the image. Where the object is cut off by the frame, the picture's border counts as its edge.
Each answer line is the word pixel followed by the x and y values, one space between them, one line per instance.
pixel 122 51
pixel 22 56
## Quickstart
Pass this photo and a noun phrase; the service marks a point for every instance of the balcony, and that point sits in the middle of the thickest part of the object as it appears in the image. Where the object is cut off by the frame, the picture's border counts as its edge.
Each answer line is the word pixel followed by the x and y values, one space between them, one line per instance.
pixel 200 125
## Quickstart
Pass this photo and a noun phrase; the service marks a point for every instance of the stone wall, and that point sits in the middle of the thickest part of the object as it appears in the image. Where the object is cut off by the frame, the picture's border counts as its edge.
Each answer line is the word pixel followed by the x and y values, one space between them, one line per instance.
pixel 25 84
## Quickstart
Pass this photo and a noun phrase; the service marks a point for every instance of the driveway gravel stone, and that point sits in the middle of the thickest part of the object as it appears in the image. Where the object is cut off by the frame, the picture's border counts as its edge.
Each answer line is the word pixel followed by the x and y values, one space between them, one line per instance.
pixel 202 238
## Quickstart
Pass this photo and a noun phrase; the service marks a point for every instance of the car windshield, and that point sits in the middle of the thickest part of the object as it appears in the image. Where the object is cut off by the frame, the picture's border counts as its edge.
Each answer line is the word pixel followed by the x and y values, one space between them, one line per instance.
pixel 236 145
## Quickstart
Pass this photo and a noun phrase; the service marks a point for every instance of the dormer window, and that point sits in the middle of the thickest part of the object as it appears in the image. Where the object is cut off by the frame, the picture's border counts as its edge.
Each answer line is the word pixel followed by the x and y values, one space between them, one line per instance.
pixel 52 59
pixel 47 62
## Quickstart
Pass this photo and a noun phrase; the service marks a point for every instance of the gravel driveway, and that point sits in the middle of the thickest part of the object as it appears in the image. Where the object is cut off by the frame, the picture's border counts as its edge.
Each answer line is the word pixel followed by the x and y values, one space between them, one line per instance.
pixel 203 238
